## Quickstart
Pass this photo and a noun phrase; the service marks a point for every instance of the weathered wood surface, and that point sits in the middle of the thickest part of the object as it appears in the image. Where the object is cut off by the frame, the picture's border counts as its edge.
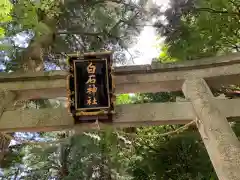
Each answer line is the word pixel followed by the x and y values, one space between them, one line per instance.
pixel 6 98
pixel 217 71
pixel 126 115
pixel 221 143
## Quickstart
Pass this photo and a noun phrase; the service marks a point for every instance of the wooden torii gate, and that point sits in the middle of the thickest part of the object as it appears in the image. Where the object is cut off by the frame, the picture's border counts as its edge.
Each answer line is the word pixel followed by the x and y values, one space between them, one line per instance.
pixel 192 77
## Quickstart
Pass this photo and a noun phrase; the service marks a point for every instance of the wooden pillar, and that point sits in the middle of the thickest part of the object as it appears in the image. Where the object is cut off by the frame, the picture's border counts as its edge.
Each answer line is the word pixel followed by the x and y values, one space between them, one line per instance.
pixel 221 143
pixel 6 98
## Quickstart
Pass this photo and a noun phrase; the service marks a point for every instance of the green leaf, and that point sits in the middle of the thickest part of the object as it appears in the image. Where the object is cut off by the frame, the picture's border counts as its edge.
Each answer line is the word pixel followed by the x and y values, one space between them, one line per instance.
pixel 2 33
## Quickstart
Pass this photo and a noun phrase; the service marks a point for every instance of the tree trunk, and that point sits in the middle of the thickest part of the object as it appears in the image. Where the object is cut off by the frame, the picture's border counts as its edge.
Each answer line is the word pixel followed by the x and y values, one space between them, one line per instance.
pixel 64 151
pixel 32 58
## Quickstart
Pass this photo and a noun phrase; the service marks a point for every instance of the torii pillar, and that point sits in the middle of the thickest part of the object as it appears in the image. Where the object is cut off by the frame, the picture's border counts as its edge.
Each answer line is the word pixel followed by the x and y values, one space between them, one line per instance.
pixel 220 141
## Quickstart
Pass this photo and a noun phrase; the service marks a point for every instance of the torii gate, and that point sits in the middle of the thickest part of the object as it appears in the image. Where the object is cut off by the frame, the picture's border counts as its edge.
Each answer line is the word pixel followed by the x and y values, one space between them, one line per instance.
pixel 192 77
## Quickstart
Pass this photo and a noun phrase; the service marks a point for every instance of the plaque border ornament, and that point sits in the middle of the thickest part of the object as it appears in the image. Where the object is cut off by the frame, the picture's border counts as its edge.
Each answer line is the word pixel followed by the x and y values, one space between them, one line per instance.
pixel 103 114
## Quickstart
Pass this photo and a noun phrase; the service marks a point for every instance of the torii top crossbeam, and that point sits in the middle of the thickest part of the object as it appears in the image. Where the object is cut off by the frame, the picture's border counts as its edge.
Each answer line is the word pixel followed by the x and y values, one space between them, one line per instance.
pixel 158 77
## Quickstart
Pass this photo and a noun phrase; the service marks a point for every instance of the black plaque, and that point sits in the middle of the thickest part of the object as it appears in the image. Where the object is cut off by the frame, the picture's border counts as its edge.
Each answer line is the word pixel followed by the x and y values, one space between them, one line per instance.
pixel 90 87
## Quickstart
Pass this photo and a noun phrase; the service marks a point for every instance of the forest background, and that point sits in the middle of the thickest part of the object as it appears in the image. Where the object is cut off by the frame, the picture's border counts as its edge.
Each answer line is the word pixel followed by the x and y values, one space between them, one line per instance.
pixel 49 29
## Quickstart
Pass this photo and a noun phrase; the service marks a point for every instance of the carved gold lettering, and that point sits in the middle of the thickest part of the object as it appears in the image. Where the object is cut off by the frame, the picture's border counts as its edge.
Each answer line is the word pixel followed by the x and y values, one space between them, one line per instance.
pixel 92 89
pixel 94 101
pixel 89 101
pixel 91 68
pixel 91 79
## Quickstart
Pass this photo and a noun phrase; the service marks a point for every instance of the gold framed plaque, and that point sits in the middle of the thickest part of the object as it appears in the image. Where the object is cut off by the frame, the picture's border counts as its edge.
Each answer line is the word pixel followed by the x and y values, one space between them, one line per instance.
pixel 90 87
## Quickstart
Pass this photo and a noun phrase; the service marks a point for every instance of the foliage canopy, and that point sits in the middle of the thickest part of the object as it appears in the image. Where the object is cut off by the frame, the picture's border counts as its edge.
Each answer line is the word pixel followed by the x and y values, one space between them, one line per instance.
pixel 192 29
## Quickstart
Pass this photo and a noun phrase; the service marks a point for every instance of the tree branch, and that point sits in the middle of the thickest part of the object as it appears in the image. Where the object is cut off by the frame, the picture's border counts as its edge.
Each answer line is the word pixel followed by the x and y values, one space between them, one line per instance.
pixel 80 33
pixel 217 11
pixel 235 4
pixel 232 44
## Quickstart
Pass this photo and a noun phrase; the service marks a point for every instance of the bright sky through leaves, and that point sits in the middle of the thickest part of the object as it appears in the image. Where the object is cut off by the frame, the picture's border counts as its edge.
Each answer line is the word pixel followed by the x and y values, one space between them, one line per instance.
pixel 148 40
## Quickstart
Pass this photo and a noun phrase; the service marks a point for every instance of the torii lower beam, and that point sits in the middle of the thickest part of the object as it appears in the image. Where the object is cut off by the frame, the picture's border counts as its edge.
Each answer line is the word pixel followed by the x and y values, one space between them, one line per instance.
pixel 131 115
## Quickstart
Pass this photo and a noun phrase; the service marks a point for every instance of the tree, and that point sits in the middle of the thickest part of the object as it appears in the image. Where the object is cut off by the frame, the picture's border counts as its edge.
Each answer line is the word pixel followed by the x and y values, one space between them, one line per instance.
pixel 143 153
pixel 200 28
pixel 192 30
pixel 177 156
pixel 50 29
pixel 5 16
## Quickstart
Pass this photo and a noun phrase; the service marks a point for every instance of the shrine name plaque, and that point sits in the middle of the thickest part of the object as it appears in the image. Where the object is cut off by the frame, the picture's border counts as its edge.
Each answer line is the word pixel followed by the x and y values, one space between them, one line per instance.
pixel 90 87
